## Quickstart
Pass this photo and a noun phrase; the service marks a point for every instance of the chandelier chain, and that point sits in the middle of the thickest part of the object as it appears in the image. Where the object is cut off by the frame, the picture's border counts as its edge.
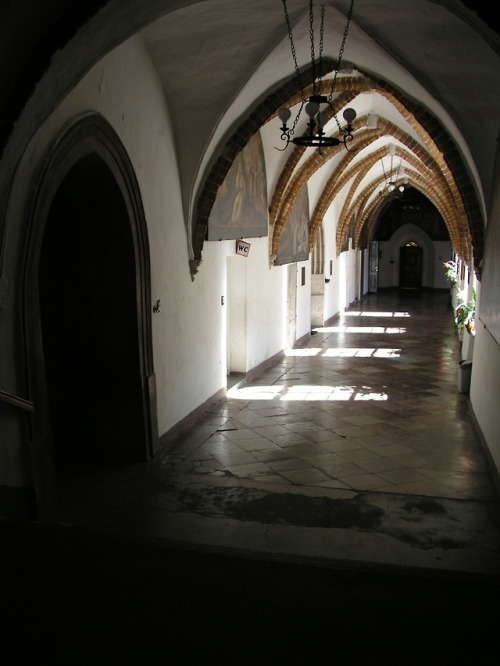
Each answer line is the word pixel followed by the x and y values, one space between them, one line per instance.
pixel 339 61
pixel 294 53
pixel 311 38
pixel 321 35
pixel 316 77
pixel 315 136
pixel 291 131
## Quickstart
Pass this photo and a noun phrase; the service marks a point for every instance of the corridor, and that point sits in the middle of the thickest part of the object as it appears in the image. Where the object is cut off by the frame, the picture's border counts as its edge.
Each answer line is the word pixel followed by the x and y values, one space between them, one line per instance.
pixel 356 448
pixel 337 506
pixel 370 403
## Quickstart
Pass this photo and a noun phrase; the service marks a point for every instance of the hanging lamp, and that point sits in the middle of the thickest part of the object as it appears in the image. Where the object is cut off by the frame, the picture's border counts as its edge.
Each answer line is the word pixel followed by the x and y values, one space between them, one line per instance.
pixel 391 188
pixel 318 107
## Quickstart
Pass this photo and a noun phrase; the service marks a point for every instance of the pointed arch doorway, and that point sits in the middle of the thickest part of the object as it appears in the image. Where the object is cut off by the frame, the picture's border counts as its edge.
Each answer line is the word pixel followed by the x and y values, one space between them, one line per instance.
pixel 87 311
pixel 410 267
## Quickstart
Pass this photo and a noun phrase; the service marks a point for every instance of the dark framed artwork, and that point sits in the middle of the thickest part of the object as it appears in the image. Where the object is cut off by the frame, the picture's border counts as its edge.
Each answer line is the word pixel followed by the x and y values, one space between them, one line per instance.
pixel 294 241
pixel 489 301
pixel 240 207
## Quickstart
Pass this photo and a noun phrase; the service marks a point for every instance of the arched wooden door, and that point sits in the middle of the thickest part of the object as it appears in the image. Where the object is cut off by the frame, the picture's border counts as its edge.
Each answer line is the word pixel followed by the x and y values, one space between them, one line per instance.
pixel 410 266
pixel 89 322
pixel 87 313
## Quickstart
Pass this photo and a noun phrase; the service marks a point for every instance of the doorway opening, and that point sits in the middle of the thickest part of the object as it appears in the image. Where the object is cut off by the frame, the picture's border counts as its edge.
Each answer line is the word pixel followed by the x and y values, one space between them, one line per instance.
pixel 88 312
pixel 410 267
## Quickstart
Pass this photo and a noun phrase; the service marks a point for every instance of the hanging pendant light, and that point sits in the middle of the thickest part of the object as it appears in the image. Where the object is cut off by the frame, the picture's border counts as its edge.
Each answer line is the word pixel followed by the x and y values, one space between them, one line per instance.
pixel 391 178
pixel 318 107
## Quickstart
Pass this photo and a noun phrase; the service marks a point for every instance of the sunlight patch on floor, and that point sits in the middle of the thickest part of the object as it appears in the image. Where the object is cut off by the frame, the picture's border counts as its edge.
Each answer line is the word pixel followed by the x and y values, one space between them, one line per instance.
pixel 352 313
pixel 346 352
pixel 361 329
pixel 308 392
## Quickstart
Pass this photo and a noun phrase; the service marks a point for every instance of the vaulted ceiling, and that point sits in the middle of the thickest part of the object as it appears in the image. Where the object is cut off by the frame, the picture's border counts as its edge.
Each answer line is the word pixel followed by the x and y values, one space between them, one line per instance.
pixel 407 77
pixel 424 79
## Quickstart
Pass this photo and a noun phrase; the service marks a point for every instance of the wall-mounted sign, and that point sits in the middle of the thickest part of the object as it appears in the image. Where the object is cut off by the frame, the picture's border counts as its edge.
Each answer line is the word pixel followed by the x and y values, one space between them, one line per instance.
pixel 243 248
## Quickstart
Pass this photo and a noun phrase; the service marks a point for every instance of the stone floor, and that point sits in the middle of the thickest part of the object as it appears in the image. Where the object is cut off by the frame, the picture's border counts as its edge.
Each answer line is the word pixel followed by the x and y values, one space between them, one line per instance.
pixel 355 450
pixel 339 507
pixel 369 404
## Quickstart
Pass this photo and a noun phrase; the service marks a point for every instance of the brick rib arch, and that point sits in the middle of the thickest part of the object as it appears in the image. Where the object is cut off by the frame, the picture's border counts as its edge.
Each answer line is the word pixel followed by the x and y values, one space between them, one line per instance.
pixel 365 213
pixel 427 155
pixel 436 188
pixel 424 163
pixel 423 180
pixel 436 151
pixel 297 152
pixel 230 147
pixel 473 224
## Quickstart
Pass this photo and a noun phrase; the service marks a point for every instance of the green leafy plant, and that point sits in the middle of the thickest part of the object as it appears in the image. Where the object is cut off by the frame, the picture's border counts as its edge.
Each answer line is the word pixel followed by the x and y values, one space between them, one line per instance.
pixel 451 272
pixel 465 315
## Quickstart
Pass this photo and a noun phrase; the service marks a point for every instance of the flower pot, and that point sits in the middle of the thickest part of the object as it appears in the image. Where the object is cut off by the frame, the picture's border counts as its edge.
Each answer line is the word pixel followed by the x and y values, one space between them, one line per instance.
pixel 464 375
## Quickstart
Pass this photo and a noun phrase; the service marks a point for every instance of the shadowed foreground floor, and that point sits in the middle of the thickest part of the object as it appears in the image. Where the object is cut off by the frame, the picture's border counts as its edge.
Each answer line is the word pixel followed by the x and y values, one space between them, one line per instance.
pixel 80 597
pixel 337 509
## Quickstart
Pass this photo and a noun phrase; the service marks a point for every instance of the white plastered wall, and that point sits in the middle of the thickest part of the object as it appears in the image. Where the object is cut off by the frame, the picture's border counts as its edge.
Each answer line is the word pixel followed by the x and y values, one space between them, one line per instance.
pixel 485 379
pixel 189 332
pixel 256 306
pixel 485 389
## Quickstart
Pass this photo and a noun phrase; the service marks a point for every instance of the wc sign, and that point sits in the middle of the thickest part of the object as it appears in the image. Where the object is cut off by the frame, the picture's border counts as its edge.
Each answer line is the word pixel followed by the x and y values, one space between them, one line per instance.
pixel 243 248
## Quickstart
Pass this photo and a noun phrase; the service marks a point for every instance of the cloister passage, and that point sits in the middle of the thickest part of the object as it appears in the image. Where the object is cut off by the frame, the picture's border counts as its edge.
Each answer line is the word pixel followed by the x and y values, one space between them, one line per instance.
pixel 364 420
pixel 369 403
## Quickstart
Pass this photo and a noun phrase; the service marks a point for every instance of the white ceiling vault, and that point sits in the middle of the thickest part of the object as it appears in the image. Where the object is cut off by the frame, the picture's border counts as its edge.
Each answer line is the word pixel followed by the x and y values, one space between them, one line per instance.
pixel 420 69
pixel 427 69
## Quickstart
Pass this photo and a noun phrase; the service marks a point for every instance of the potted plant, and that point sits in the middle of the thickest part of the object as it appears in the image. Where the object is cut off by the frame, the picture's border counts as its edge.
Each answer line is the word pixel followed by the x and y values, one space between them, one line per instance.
pixel 465 314
pixel 451 272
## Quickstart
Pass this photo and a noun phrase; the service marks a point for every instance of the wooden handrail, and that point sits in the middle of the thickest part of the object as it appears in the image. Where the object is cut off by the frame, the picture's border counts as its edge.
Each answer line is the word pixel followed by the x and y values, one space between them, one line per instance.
pixel 16 401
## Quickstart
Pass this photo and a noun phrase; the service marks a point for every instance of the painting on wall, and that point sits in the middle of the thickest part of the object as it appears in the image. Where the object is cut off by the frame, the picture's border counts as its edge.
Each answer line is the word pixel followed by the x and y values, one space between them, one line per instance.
pixel 240 207
pixel 489 302
pixel 294 241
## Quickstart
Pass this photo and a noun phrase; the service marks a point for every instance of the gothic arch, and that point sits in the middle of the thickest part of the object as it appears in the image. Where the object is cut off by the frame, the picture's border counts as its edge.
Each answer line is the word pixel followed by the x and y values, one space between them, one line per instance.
pixel 434 156
pixel 87 137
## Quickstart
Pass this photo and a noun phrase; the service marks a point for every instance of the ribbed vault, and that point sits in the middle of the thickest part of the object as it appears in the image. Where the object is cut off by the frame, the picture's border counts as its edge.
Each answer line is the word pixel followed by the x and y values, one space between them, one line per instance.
pixel 431 161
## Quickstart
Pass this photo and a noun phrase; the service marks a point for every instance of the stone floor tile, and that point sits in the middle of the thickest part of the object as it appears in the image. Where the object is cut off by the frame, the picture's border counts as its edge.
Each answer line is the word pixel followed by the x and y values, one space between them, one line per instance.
pixel 377 465
pixel 305 476
pixel 323 460
pixel 399 476
pixel 249 470
pixel 257 444
pixel 232 459
pixel 272 431
pixel 365 482
pixel 287 464
pixel 343 470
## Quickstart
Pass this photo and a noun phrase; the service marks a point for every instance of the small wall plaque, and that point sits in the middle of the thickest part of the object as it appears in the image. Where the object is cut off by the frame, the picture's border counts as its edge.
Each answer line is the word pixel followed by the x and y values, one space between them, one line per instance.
pixel 243 248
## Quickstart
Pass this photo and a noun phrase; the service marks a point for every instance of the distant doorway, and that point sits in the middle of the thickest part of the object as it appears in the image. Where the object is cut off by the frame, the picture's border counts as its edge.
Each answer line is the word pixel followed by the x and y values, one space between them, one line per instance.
pixel 373 268
pixel 410 266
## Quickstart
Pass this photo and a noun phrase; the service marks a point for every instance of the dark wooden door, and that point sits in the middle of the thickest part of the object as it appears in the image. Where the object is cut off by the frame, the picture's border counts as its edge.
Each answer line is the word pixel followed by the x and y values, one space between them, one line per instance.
pixel 90 325
pixel 410 267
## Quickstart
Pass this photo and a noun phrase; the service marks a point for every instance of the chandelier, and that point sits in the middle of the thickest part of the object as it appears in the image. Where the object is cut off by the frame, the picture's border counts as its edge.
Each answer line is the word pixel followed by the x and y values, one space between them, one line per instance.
pixel 318 107
pixel 390 187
